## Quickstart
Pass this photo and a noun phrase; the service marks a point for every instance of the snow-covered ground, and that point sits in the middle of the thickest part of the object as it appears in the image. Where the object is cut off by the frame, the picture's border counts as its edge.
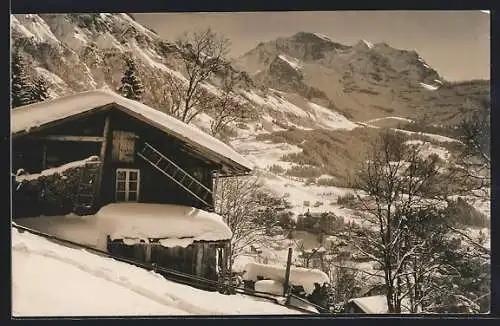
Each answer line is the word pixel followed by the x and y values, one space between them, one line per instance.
pixel 427 149
pixel 303 198
pixel 330 119
pixel 49 279
pixel 429 87
pixel 435 137
pixel 389 118
pixel 264 154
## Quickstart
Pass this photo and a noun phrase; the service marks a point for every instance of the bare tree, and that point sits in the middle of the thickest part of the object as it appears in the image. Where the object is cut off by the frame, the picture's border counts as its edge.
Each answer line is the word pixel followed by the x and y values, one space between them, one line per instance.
pixel 227 107
pixel 406 230
pixel 398 182
pixel 203 54
pixel 240 203
pixel 346 280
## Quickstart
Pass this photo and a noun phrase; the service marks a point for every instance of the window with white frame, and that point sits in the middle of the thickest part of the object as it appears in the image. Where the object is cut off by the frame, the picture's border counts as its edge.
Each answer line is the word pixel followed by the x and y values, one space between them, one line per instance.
pixel 127 184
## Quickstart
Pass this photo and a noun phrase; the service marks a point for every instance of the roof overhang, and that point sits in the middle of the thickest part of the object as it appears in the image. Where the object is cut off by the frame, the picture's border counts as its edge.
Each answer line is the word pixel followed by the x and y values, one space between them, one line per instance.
pixel 30 118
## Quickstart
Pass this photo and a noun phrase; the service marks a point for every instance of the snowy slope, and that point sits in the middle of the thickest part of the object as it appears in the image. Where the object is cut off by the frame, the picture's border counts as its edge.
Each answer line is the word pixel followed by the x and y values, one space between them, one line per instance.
pixel 53 280
pixel 293 62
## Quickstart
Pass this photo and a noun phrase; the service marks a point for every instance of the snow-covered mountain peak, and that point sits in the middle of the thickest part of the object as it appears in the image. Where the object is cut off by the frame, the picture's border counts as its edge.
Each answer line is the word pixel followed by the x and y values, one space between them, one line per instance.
pixel 364 45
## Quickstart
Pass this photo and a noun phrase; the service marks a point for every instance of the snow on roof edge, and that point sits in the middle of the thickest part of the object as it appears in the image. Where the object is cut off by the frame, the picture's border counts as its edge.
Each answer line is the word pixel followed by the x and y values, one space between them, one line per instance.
pixel 24 118
pixel 181 224
pixel 372 304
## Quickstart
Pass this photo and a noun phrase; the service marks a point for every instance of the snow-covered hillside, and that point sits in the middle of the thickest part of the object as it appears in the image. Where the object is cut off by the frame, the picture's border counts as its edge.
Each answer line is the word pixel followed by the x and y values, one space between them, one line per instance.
pixel 49 279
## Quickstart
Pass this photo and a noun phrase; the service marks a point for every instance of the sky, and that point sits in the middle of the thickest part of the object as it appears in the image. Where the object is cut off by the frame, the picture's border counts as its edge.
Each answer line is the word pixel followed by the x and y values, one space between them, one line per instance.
pixel 455 43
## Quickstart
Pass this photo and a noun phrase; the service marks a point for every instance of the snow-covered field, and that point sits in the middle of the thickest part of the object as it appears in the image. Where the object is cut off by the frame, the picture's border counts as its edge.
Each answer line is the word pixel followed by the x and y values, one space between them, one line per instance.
pixel 49 279
pixel 266 153
pixel 429 87
pixel 312 197
pixel 435 137
pixel 398 119
pixel 330 119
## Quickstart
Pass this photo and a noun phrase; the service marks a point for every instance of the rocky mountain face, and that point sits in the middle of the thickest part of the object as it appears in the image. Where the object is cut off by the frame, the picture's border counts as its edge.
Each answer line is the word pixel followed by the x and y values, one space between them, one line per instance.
pixel 77 52
pixel 363 81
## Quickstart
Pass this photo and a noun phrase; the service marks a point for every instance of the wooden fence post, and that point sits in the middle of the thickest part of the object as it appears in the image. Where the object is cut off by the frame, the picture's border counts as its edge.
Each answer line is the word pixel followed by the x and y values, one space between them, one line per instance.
pixel 287 273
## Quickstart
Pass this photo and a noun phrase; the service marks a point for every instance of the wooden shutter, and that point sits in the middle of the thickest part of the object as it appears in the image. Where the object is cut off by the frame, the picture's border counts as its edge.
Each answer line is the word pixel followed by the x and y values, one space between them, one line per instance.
pixel 123 146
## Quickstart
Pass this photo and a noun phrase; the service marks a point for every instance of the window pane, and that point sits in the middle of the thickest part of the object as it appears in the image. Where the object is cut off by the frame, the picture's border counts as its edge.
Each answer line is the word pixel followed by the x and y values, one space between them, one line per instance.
pixel 132 186
pixel 132 196
pixel 133 175
pixel 120 196
pixel 120 175
pixel 120 186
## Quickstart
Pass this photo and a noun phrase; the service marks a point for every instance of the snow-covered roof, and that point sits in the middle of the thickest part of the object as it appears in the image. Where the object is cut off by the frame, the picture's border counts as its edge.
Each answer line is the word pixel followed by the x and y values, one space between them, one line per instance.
pixel 49 279
pixel 377 304
pixel 298 275
pixel 173 225
pixel 28 117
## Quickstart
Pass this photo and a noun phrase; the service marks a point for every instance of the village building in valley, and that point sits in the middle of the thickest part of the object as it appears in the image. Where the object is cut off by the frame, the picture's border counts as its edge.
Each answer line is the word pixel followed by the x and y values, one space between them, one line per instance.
pixel 135 181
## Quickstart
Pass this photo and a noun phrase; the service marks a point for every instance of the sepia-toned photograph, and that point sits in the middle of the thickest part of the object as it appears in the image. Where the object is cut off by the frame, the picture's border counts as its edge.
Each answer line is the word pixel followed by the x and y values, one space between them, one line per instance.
pixel 332 163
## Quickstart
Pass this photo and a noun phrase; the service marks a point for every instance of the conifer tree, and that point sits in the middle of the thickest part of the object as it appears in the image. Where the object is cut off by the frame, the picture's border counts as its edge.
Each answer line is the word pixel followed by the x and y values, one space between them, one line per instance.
pixel 40 90
pixel 22 88
pixel 132 86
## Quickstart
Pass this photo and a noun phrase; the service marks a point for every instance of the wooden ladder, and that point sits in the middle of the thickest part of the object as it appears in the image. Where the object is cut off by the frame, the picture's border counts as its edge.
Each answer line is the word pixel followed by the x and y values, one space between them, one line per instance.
pixel 87 186
pixel 176 173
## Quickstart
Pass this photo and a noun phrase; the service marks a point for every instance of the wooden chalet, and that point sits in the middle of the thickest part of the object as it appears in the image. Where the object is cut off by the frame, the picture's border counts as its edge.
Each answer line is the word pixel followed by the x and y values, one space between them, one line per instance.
pixel 142 155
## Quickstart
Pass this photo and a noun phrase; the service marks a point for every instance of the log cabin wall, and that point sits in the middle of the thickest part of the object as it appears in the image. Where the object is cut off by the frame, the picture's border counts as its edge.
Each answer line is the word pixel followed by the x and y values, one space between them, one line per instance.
pixel 155 187
pixel 199 258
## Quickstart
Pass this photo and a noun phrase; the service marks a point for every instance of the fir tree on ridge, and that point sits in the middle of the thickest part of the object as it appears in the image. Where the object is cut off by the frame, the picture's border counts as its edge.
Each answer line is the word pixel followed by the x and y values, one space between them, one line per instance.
pixel 40 90
pixel 132 86
pixel 22 87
